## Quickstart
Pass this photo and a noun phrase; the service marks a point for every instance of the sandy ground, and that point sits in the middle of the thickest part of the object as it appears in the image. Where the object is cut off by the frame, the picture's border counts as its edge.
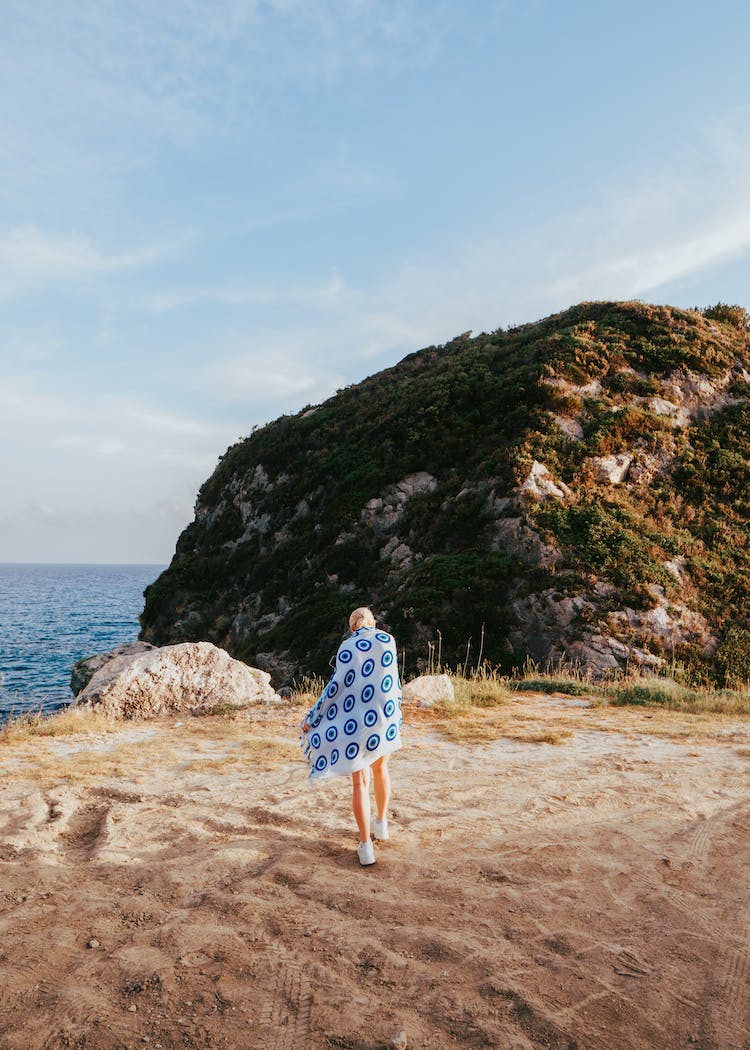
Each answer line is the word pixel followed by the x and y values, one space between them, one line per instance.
pixel 179 885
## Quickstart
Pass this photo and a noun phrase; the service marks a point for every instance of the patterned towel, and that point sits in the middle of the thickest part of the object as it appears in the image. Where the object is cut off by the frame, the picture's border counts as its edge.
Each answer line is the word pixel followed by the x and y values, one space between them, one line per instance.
pixel 357 720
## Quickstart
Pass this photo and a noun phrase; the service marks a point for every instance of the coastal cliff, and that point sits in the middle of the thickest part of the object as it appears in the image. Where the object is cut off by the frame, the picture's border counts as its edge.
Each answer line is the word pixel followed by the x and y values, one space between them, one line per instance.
pixel 575 489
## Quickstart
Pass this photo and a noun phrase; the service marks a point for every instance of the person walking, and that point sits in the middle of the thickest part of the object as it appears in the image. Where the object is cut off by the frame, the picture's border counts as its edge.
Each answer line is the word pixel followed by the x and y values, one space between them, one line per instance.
pixel 355 726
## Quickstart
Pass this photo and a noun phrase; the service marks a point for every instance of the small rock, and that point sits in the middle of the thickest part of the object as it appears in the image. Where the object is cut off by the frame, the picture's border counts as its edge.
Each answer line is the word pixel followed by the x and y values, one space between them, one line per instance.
pixel 429 689
pixel 398 1041
pixel 93 943
pixel 132 1009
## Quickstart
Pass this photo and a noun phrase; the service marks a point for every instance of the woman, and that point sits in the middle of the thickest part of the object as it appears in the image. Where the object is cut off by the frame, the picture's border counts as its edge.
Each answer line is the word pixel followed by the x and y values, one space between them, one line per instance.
pixel 356 724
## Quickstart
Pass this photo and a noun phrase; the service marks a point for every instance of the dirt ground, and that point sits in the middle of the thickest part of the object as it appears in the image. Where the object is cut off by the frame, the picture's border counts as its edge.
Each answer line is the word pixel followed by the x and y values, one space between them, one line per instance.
pixel 178 884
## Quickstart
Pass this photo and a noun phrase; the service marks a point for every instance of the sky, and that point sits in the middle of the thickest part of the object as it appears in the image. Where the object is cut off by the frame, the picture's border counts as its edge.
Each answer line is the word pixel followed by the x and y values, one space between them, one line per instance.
pixel 215 212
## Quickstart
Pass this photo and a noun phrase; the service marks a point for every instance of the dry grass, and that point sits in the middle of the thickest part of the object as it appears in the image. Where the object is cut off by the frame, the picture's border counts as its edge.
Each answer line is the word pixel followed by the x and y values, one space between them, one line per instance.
pixel 665 692
pixel 69 722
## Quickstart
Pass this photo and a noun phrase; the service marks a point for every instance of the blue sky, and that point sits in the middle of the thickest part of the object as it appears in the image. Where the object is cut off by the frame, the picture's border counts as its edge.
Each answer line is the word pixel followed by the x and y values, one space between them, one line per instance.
pixel 212 213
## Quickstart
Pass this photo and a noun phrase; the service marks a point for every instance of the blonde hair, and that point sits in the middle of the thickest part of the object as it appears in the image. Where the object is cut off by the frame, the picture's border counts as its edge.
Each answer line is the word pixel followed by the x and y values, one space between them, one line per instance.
pixel 361 617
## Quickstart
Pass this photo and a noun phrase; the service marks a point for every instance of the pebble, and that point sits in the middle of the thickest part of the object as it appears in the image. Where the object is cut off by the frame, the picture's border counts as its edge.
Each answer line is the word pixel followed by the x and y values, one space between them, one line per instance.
pixel 93 943
pixel 398 1041
pixel 132 1008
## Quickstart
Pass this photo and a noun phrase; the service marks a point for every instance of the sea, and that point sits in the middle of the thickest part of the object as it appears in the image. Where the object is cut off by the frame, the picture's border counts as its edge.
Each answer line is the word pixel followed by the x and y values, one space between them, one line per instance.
pixel 51 616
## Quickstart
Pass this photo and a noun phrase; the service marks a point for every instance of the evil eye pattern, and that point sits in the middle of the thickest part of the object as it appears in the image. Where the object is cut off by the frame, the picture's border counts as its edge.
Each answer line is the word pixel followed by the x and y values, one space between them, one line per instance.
pixel 363 723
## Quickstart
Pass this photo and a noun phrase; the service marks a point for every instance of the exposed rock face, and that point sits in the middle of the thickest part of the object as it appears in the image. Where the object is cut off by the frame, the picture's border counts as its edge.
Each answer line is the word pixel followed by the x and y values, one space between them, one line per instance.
pixel 193 676
pixel 611 469
pixel 539 484
pixel 528 488
pixel 84 670
pixel 428 690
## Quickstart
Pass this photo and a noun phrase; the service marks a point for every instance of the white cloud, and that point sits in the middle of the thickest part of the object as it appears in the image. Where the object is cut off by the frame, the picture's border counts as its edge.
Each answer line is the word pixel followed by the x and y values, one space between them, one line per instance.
pixel 275 375
pixel 110 447
pixel 318 294
pixel 30 257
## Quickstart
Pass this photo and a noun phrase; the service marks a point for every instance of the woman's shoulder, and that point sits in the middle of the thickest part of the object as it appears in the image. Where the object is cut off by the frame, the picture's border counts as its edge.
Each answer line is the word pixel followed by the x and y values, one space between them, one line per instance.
pixel 364 637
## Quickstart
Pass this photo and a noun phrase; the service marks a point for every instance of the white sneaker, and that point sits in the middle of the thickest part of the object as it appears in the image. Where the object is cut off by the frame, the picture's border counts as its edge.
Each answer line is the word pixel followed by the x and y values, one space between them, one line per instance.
pixel 366 853
pixel 380 829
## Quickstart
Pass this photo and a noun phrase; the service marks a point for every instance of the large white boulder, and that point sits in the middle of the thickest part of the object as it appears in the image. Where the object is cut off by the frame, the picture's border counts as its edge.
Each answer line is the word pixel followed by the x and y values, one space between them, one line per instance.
pixel 428 690
pixel 192 676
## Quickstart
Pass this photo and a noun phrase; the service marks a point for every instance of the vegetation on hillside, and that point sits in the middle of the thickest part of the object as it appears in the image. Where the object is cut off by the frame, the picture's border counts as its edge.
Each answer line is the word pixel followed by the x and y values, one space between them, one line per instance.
pixel 282 547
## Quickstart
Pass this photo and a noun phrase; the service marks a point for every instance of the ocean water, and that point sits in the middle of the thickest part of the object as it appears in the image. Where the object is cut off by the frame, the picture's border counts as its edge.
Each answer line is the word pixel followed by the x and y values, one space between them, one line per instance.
pixel 52 615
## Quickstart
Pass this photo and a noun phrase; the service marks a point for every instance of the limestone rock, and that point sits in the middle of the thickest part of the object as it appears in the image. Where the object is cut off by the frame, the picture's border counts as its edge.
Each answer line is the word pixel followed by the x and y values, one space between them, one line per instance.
pixel 428 690
pixel 382 512
pixel 540 484
pixel 570 426
pixel 84 670
pixel 524 543
pixel 190 676
pixel 611 469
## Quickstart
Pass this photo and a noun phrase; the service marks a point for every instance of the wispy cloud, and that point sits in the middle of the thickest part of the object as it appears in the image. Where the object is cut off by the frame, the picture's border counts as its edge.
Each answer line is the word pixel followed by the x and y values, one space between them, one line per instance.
pixel 30 257
pixel 323 293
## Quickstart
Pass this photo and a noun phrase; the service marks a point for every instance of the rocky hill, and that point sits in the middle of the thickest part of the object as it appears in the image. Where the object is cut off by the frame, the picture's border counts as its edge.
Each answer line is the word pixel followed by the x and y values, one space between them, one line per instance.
pixel 576 489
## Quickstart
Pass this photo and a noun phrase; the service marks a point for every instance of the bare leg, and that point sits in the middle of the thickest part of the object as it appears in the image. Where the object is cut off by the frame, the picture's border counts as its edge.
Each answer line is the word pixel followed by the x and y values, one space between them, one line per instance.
pixel 361 803
pixel 382 779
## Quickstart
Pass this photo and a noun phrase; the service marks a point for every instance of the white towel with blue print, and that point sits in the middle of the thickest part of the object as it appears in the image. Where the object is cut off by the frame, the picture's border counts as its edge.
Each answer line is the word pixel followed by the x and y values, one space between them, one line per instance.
pixel 357 720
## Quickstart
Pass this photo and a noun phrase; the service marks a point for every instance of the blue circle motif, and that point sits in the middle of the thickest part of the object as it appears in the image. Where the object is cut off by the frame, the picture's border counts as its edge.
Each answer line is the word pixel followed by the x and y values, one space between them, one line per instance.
pixel 332 711
pixel 315 740
pixel 368 693
pixel 350 726
pixel 373 742
pixel 371 717
pixel 382 636
pixel 321 763
pixel 350 675
pixel 334 756
pixel 363 644
pixel 349 702
pixel 352 750
pixel 387 658
pixel 333 688
pixel 389 708
pixel 387 684
pixel 391 731
pixel 331 734
pixel 367 668
pixel 315 722
pixel 345 656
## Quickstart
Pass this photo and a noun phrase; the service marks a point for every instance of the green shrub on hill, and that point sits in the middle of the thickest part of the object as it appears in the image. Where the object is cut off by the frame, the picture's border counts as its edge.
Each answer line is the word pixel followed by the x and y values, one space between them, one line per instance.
pixel 282 544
